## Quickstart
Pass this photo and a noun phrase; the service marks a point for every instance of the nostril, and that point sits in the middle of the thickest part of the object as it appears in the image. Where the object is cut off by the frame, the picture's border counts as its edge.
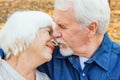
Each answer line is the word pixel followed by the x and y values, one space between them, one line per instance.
pixel 54 42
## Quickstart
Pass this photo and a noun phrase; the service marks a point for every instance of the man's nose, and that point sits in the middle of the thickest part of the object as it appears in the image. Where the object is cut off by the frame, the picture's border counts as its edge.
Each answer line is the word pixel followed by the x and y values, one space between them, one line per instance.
pixel 56 34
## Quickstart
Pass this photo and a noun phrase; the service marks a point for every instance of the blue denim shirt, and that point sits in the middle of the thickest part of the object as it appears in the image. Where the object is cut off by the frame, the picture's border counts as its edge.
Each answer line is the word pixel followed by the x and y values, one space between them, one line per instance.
pixel 103 65
pixel 1 53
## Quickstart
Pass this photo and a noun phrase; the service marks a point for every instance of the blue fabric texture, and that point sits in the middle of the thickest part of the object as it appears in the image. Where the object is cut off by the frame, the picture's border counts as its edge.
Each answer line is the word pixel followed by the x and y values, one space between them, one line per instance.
pixel 103 65
pixel 1 53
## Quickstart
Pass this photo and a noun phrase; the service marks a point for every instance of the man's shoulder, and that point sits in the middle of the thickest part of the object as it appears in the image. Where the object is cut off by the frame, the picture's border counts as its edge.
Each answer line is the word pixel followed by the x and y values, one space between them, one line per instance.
pixel 116 48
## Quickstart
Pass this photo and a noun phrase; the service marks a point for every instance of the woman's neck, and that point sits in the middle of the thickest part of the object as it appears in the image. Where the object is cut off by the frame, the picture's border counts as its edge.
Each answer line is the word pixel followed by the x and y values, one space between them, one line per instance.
pixel 25 65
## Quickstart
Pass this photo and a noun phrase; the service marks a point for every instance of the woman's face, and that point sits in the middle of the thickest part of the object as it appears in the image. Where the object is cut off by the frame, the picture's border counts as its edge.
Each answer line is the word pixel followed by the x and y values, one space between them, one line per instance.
pixel 43 45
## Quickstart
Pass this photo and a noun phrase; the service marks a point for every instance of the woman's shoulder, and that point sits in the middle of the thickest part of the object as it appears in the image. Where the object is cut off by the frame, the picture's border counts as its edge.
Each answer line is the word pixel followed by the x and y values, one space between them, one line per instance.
pixel 41 76
pixel 3 71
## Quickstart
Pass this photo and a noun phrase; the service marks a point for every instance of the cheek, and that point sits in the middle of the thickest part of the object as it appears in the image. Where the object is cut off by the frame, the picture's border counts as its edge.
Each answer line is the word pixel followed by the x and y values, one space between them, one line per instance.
pixel 68 37
pixel 74 38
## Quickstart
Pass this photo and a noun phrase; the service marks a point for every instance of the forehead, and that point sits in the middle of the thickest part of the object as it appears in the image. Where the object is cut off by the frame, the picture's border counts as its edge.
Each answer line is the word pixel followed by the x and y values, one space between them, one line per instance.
pixel 63 4
pixel 61 16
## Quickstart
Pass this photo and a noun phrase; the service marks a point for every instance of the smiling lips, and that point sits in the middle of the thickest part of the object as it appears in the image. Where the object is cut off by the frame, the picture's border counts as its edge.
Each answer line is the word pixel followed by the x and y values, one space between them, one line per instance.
pixel 51 47
pixel 52 44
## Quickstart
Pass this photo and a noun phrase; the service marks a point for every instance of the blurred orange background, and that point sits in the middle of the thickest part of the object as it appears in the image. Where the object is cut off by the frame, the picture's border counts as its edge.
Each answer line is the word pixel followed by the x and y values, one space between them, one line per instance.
pixel 9 6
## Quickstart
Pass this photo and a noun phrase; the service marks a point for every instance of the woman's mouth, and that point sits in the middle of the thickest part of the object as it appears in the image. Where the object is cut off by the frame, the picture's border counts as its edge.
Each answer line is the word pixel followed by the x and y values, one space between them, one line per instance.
pixel 52 44
pixel 51 47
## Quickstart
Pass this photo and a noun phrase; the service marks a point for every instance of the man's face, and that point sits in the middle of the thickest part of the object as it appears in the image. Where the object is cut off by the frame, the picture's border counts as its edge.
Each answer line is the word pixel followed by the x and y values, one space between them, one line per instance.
pixel 69 31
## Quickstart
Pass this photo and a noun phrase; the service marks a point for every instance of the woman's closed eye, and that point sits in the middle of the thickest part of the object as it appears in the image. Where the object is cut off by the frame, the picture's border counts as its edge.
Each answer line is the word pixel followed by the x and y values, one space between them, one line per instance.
pixel 49 30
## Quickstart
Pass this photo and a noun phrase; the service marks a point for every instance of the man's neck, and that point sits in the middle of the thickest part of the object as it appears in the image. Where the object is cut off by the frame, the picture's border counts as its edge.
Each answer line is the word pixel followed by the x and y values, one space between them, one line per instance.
pixel 89 49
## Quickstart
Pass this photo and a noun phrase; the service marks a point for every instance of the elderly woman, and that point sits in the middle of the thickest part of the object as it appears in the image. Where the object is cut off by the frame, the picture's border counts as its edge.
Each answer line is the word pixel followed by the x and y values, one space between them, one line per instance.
pixel 27 43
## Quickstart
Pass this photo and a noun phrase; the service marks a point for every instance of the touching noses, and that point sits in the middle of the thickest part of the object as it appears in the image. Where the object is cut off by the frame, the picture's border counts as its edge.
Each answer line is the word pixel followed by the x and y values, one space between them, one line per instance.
pixel 57 34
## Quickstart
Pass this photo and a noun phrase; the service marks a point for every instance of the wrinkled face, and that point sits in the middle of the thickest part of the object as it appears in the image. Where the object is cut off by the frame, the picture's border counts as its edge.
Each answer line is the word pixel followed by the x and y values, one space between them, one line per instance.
pixel 43 45
pixel 69 31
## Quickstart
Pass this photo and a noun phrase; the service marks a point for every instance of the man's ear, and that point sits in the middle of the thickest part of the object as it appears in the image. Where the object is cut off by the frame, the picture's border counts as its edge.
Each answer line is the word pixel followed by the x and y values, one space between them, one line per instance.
pixel 92 28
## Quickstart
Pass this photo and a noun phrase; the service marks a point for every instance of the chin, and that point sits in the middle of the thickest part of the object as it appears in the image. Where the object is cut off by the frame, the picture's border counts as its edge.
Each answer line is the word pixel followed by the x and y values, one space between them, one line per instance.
pixel 66 52
pixel 48 57
pixel 47 54
pixel 64 48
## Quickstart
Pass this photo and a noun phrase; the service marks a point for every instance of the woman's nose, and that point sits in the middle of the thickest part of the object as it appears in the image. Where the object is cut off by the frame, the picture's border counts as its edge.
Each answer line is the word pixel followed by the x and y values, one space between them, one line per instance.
pixel 56 34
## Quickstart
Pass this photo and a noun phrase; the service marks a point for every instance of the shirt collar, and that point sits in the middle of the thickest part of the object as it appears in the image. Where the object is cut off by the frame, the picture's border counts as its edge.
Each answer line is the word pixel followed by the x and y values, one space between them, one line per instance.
pixel 102 54
pixel 11 71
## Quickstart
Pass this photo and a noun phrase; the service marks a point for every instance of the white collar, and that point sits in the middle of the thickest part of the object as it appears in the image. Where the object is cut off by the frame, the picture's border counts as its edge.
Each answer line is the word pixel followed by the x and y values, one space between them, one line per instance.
pixel 16 75
pixel 82 60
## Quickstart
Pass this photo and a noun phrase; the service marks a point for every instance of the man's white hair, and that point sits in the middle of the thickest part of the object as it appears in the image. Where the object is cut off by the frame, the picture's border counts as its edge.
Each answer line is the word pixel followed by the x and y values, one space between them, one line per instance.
pixel 88 11
pixel 21 29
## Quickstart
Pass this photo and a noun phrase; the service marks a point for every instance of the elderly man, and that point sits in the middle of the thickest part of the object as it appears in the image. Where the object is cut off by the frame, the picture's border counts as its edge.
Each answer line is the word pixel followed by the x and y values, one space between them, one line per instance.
pixel 87 51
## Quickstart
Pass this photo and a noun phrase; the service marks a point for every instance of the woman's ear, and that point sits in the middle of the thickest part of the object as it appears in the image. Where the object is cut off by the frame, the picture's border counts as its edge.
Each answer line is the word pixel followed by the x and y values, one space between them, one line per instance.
pixel 92 28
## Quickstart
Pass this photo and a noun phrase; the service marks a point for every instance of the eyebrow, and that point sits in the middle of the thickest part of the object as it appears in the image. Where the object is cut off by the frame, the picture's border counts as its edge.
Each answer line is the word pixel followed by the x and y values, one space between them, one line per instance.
pixel 50 27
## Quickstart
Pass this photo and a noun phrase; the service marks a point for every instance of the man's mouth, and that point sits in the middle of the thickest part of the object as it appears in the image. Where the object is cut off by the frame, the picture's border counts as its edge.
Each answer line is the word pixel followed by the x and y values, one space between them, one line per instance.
pixel 62 45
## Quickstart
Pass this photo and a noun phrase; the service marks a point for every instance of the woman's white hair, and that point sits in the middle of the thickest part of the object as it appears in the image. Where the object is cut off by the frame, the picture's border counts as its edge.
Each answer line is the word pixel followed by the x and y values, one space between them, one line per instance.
pixel 21 29
pixel 88 11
